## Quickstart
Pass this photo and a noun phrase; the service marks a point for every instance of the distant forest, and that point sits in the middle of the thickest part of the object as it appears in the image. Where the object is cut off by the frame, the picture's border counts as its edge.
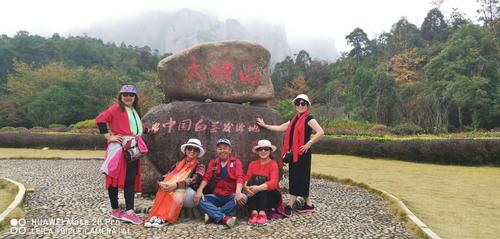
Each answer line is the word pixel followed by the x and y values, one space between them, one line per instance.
pixel 442 76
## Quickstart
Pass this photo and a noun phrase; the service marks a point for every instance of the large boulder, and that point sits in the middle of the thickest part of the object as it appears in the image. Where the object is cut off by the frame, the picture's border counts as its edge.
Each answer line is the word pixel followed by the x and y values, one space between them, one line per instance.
pixel 229 71
pixel 208 122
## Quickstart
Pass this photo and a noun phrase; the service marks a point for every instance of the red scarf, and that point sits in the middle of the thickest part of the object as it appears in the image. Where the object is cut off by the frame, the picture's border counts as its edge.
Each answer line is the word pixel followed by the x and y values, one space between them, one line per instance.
pixel 298 136
pixel 181 170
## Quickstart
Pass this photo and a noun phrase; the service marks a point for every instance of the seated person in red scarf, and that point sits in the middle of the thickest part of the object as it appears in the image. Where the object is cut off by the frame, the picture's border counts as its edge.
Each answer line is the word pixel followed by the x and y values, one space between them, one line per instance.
pixel 177 187
pixel 227 173
pixel 262 184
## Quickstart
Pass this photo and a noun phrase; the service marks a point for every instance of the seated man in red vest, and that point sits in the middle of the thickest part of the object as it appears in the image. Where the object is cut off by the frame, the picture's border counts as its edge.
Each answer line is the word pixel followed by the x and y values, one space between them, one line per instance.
pixel 227 173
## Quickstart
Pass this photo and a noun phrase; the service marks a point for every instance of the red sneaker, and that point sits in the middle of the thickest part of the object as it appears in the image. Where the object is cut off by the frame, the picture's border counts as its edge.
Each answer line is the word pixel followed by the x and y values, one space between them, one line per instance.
pixel 253 219
pixel 261 220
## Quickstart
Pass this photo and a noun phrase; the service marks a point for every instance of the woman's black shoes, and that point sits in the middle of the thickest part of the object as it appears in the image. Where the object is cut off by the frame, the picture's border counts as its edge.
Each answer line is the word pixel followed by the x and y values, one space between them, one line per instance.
pixel 288 211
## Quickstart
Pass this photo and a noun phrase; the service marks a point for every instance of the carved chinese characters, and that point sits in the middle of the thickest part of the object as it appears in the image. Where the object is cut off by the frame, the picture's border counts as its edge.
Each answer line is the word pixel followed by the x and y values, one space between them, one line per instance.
pixel 229 71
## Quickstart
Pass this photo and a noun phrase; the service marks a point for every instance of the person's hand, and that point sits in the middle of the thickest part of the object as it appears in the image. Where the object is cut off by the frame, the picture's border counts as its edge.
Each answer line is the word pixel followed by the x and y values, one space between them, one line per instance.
pixel 248 192
pixel 197 197
pixel 171 186
pixel 253 189
pixel 240 199
pixel 261 122
pixel 305 147
pixel 115 138
pixel 155 127
pixel 162 186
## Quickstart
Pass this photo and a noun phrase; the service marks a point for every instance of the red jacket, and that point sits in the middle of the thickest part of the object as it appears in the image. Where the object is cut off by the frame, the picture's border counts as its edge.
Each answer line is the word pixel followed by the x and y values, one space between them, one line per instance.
pixel 119 124
pixel 117 120
pixel 235 175
pixel 270 170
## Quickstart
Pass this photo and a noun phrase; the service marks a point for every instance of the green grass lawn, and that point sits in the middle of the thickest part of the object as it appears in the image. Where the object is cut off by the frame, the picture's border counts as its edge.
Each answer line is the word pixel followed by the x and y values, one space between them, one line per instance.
pixel 454 201
pixel 8 192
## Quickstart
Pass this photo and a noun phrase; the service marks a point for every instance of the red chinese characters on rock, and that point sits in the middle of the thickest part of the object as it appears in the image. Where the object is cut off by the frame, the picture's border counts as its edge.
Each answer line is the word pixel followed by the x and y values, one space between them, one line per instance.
pixel 200 126
pixel 193 70
pixel 186 125
pixel 245 77
pixel 169 125
pixel 222 72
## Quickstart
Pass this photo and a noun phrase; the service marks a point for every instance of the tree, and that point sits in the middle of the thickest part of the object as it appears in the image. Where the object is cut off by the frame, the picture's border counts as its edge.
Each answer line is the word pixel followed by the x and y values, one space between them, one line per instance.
pixel 434 26
pixel 384 97
pixel 468 92
pixel 299 86
pixel 283 73
pixel 466 73
pixel 457 19
pixel 359 41
pixel 303 61
pixel 50 106
pixel 404 35
pixel 489 14
pixel 404 67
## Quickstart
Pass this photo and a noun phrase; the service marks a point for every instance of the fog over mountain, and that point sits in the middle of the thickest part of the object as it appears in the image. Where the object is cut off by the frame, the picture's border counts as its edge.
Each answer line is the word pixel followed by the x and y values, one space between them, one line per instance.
pixel 175 31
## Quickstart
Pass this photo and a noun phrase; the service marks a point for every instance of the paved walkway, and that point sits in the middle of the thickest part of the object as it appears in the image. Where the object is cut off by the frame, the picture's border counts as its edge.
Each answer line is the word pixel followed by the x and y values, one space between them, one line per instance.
pixel 70 202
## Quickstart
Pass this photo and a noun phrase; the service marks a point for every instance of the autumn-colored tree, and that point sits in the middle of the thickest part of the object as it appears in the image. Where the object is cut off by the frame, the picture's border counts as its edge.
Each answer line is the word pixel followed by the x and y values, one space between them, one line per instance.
pixel 299 86
pixel 404 67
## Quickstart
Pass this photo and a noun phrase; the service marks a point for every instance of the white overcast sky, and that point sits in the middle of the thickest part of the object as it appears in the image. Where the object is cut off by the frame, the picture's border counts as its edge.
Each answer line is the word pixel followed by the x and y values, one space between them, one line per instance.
pixel 303 20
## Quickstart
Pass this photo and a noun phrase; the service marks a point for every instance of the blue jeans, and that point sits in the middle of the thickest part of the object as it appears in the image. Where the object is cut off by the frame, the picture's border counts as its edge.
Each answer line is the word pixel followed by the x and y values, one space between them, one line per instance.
pixel 217 207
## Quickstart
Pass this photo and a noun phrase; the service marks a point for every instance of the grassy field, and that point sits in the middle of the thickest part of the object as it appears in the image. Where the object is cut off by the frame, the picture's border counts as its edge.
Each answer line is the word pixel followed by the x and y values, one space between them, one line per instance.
pixel 8 192
pixel 51 153
pixel 454 201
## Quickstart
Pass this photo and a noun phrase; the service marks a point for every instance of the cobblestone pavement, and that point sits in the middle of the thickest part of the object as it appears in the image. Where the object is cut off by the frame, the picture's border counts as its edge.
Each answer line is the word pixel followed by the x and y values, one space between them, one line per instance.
pixel 70 201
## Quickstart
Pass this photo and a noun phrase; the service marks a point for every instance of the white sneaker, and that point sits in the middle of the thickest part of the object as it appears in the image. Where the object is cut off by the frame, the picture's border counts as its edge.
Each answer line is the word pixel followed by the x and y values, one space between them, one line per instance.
pixel 159 223
pixel 150 222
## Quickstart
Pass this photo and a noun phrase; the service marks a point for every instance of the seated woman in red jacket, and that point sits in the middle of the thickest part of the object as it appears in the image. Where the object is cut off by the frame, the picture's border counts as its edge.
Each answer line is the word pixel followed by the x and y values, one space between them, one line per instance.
pixel 262 184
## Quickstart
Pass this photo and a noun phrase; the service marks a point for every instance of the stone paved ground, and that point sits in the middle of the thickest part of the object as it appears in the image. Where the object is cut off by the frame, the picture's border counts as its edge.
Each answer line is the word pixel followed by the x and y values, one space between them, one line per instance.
pixel 69 201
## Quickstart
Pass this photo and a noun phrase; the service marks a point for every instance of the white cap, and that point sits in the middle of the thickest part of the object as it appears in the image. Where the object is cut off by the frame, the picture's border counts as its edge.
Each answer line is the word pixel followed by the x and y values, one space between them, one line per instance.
pixel 264 143
pixel 303 97
pixel 195 143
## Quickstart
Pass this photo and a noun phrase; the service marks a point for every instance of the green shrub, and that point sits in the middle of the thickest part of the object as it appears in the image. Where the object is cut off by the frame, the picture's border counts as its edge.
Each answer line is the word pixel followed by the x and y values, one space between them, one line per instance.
pixel 86 124
pixel 38 129
pixel 285 108
pixel 380 128
pixel 468 152
pixel 7 128
pixel 407 129
pixel 21 129
pixel 349 124
pixel 56 126
pixel 53 141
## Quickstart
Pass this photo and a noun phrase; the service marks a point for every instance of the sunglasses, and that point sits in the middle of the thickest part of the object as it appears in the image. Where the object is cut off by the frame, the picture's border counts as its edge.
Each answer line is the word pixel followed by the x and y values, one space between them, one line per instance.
pixel 303 103
pixel 128 94
pixel 263 149
pixel 194 149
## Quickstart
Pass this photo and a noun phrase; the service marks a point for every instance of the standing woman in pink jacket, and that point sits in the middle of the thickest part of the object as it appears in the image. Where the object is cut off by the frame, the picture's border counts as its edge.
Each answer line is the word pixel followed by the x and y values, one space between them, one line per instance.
pixel 124 119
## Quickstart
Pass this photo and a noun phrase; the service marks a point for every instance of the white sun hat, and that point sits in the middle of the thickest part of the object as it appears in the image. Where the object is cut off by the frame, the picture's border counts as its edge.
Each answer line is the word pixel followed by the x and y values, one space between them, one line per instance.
pixel 303 97
pixel 195 143
pixel 264 143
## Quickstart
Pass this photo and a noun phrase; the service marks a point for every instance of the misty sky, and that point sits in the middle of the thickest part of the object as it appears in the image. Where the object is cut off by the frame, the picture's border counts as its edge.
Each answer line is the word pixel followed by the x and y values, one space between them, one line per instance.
pixel 303 20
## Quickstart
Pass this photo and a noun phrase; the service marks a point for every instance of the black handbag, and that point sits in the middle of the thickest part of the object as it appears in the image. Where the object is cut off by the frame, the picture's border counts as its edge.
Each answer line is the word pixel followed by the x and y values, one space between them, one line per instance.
pixel 257 180
pixel 288 157
pixel 211 185
pixel 132 154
